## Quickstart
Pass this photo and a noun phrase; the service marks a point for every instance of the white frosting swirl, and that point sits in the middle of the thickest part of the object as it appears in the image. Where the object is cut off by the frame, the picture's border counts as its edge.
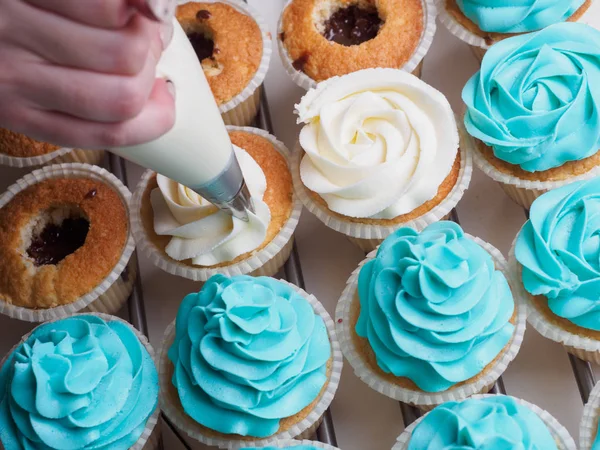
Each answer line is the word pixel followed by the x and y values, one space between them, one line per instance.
pixel 378 142
pixel 203 233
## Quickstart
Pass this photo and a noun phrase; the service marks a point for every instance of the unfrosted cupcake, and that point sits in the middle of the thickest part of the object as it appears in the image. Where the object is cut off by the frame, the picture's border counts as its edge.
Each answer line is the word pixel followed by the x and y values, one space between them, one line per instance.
pixel 18 150
pixel 482 23
pixel 249 361
pixel 321 39
pixel 185 235
pixel 431 316
pixel 379 150
pixel 85 382
pixel 65 243
pixel 589 426
pixel 486 421
pixel 233 45
pixel 557 258
pixel 296 445
pixel 534 111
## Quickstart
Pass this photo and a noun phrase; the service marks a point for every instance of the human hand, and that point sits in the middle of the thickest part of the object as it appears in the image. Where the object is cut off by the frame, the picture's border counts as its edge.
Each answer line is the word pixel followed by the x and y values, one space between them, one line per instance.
pixel 82 73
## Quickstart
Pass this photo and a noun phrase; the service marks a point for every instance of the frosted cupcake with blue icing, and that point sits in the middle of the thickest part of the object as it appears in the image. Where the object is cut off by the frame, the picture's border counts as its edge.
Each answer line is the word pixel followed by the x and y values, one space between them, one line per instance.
pixel 249 360
pixel 486 422
pixel 557 257
pixel 430 316
pixel 482 23
pixel 85 382
pixel 533 110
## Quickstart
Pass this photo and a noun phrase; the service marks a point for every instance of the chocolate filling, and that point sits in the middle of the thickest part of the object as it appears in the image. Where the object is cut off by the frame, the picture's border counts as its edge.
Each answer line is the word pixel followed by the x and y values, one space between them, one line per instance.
pixel 203 46
pixel 56 242
pixel 352 26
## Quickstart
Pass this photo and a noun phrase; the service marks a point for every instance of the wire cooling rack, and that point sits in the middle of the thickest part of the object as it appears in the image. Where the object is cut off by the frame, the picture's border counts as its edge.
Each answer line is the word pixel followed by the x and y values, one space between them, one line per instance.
pixel 293 273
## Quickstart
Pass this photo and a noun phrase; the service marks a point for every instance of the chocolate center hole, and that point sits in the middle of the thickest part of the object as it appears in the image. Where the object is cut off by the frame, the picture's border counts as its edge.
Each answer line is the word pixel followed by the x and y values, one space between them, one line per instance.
pixel 55 241
pixel 203 46
pixel 352 25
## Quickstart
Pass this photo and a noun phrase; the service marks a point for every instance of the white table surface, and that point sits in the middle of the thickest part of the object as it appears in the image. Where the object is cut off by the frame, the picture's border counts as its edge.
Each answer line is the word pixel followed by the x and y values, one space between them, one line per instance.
pixel 363 418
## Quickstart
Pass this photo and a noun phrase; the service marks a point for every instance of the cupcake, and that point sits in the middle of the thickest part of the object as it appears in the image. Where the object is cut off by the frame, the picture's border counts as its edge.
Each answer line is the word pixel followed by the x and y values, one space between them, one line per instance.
pixel 534 112
pixel 104 396
pixel 321 39
pixel 65 243
pixel 486 421
pixel 249 361
pixel 18 150
pixel 556 256
pixel 233 45
pixel 431 316
pixel 185 235
pixel 481 23
pixel 296 445
pixel 589 438
pixel 379 150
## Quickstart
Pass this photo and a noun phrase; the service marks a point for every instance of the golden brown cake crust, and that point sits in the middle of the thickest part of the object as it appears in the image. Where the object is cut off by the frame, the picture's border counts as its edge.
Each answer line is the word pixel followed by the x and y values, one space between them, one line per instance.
pixel 24 284
pixel 21 146
pixel 491 38
pixel 443 192
pixel 393 46
pixel 238 45
pixel 568 170
pixel 368 355
pixel 278 195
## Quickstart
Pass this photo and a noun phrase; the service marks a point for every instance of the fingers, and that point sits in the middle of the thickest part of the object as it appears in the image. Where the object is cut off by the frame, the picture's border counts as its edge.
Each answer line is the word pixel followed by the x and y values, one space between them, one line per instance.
pixel 156 119
pixel 72 44
pixel 97 13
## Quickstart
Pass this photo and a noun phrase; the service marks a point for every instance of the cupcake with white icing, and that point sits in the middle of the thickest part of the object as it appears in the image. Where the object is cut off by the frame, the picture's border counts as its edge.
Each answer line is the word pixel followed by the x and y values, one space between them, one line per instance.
pixel 249 361
pixel 486 422
pixel 379 150
pixel 432 316
pixel 184 234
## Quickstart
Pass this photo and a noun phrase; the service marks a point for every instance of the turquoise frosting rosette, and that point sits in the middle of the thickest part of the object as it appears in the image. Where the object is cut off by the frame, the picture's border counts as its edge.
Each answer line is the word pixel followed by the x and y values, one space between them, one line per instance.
pixel 486 422
pixel 247 353
pixel 517 16
pixel 536 99
pixel 434 308
pixel 77 383
pixel 558 250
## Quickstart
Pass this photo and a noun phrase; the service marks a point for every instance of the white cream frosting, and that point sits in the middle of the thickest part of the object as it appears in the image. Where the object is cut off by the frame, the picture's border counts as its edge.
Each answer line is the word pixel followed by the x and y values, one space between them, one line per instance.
pixel 378 142
pixel 200 231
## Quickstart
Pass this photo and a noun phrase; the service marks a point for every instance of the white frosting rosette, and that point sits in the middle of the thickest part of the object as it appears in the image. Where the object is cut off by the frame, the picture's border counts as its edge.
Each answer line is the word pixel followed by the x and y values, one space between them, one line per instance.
pixel 378 144
pixel 207 237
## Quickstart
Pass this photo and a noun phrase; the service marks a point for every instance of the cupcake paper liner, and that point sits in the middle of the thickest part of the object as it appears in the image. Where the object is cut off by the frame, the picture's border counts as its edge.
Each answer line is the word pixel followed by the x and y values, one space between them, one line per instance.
pixel 588 427
pixel 75 170
pixel 62 155
pixel 421 399
pixel 561 435
pixel 413 65
pixel 150 437
pixel 522 192
pixel 478 44
pixel 170 405
pixel 267 261
pixel 374 234
pixel 241 110
pixel 583 347
pixel 294 443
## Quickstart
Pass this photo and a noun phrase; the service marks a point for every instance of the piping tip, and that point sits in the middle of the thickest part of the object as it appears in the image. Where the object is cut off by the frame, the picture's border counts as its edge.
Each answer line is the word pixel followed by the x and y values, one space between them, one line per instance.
pixel 241 204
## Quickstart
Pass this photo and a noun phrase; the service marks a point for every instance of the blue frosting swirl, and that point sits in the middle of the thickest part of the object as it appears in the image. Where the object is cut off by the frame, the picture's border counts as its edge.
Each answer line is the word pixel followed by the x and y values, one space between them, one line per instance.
pixel 517 16
pixel 559 250
pixel 491 423
pixel 536 99
pixel 78 383
pixel 248 352
pixel 433 307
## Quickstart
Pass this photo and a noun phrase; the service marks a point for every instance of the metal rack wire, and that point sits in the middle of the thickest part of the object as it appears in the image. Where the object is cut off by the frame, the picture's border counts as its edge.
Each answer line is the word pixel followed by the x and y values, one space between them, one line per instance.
pixel 293 273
